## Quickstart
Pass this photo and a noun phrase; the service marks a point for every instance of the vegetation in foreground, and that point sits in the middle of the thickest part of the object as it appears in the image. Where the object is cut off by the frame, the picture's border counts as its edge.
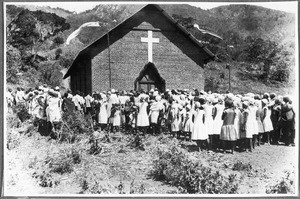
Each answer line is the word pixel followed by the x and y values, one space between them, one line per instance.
pixel 98 163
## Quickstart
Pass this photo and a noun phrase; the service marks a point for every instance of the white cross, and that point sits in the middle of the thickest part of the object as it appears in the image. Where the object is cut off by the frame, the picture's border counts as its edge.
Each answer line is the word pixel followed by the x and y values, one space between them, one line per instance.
pixel 150 40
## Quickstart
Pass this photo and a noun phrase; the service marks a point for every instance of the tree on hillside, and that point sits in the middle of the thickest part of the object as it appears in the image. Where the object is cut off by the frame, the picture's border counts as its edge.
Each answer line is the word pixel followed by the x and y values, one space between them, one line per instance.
pixel 50 73
pixel 274 58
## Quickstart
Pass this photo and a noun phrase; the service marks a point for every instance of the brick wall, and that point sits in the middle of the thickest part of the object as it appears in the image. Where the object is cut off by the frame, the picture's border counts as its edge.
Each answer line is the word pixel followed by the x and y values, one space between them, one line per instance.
pixel 176 57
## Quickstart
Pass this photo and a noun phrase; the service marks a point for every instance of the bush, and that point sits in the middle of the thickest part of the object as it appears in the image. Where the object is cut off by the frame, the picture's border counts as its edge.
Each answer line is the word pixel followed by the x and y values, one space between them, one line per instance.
pixel 211 84
pixel 12 121
pixel 284 186
pixel 63 161
pixel 45 179
pixel 140 189
pixel 22 112
pixel 190 176
pixel 240 166
pixel 74 124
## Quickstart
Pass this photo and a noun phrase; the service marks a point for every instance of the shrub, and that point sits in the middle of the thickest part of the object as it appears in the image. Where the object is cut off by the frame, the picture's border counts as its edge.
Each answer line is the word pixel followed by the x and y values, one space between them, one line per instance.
pixel 240 166
pixel 63 161
pixel 174 166
pixel 140 189
pixel 12 121
pixel 92 182
pixel 284 186
pixel 45 179
pixel 22 112
pixel 211 84
pixel 77 123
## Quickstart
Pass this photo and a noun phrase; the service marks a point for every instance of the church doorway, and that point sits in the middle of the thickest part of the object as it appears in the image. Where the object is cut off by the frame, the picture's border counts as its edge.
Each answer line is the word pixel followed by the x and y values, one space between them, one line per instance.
pixel 149 78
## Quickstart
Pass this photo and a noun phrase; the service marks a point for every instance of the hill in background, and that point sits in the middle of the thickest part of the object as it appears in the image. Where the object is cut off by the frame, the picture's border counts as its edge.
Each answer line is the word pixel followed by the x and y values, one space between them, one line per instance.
pixel 257 42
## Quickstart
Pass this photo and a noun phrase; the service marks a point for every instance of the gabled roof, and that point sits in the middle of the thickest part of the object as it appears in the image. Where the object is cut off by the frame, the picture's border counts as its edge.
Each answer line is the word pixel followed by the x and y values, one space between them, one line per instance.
pixel 181 28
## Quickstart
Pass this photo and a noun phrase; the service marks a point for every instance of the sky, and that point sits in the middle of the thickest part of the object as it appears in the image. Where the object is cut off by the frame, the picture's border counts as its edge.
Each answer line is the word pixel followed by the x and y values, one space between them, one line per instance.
pixel 77 6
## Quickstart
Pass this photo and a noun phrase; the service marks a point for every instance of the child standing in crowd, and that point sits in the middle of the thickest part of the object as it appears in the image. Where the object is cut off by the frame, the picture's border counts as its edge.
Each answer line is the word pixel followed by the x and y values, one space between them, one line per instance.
pixel 187 122
pixel 117 118
pixel 253 122
pixel 142 116
pixel 246 126
pixel 175 118
pixel 228 131
pixel 102 114
pixel 199 133
pixel 53 110
pixel 155 108
pixel 238 120
pixel 266 120
pixel 218 122
pixel 260 126
pixel 208 109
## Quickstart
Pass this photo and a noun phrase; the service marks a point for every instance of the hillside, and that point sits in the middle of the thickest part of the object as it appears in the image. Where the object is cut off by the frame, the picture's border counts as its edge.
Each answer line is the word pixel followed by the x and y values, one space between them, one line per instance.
pixel 58 11
pixel 260 38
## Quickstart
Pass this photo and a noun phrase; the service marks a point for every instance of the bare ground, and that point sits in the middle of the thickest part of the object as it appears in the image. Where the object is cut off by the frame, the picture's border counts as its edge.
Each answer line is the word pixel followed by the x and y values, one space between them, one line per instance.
pixel 118 164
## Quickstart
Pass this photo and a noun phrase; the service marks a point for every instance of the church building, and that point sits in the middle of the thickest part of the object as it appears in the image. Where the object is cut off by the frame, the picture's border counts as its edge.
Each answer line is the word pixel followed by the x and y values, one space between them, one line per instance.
pixel 147 50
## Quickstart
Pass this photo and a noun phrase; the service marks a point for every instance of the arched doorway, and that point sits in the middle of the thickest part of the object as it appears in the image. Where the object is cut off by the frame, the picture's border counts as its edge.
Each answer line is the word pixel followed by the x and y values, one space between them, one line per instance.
pixel 149 78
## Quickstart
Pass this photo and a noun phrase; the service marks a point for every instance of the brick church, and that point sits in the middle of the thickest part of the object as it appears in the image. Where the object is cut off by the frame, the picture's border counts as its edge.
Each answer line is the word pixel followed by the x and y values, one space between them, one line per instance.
pixel 147 50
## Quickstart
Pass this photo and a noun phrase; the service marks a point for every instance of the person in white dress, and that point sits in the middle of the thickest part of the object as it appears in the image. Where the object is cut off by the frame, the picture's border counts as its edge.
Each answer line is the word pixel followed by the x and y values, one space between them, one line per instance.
pixel 199 133
pixel 208 109
pixel 142 118
pixel 246 126
pixel 155 109
pixel 117 118
pixel 217 122
pixel 175 123
pixel 53 110
pixel 103 117
pixel 77 101
pixel 188 122
pixel 266 120
pixel 20 96
pixel 252 117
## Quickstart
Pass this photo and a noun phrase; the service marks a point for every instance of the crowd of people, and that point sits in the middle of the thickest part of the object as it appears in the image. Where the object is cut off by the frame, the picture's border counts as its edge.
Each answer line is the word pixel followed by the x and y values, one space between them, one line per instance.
pixel 214 121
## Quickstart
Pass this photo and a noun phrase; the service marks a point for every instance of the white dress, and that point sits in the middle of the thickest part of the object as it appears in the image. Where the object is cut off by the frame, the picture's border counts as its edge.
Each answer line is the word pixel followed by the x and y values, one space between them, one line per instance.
pixel 248 130
pixel 188 123
pixel 53 109
pixel 155 108
pixel 237 122
pixel 175 117
pixel 252 120
pixel 209 119
pixel 142 117
pixel 103 117
pixel 267 123
pixel 199 132
pixel 117 118
pixel 218 122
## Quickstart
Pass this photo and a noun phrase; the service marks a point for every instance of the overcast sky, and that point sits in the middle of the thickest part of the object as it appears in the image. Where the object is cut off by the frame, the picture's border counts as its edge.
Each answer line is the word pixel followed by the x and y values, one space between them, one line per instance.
pixel 288 6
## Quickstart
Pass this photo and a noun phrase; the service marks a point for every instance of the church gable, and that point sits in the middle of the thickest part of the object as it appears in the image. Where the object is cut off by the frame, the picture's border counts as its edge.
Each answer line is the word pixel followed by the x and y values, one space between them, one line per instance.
pixel 150 35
